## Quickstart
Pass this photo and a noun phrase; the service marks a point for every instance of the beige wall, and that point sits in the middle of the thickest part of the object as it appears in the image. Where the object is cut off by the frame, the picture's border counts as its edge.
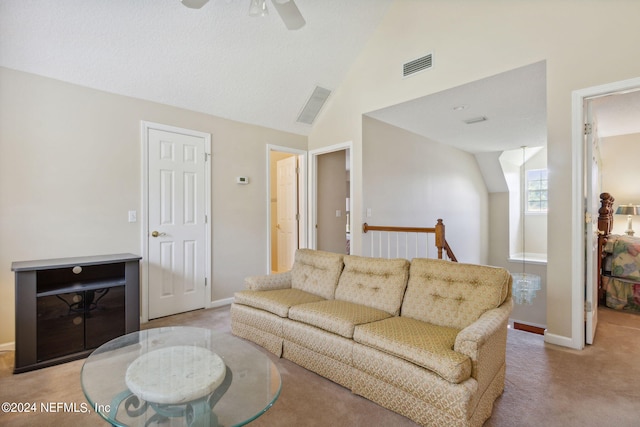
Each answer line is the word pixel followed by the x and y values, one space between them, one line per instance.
pixel 409 180
pixel 536 313
pixel 472 40
pixel 621 175
pixel 71 166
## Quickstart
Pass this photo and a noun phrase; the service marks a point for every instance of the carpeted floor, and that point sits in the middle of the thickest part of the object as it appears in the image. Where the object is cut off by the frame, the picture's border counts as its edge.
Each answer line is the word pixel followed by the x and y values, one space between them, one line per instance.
pixel 546 385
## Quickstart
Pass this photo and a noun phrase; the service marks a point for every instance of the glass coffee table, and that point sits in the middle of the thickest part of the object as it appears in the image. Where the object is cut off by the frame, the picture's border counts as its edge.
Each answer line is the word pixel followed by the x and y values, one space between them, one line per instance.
pixel 179 376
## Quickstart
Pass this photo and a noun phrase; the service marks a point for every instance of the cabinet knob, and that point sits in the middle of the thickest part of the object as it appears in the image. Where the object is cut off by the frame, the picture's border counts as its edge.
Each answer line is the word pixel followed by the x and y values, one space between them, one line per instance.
pixel 77 269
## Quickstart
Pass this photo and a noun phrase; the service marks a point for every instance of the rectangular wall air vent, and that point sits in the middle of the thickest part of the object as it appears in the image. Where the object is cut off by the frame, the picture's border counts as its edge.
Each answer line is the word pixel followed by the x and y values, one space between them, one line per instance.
pixel 417 65
pixel 313 105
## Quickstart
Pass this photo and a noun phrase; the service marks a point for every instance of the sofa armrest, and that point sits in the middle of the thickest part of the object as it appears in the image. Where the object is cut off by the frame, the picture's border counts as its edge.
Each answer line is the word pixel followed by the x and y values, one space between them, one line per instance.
pixel 268 282
pixel 485 342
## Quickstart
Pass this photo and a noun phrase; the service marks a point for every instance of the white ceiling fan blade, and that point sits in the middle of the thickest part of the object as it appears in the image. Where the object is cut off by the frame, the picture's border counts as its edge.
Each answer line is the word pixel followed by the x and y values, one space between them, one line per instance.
pixel 194 4
pixel 289 13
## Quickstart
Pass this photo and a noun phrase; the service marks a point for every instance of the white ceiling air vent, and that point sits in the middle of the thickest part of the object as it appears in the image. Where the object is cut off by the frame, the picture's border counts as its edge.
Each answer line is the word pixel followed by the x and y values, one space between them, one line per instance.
pixel 417 65
pixel 313 105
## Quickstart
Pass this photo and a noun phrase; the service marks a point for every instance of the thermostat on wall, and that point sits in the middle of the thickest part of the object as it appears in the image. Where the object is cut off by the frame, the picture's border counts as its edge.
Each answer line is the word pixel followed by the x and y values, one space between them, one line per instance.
pixel 242 180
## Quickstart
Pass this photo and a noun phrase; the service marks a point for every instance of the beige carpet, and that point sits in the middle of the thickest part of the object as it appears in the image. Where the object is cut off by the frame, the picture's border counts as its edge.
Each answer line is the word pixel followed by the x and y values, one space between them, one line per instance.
pixel 546 385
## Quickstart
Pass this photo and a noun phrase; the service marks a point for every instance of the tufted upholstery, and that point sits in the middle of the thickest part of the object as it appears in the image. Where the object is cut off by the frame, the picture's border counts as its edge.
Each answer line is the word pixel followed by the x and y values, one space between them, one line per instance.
pixel 374 282
pixel 426 339
pixel 316 272
pixel 453 294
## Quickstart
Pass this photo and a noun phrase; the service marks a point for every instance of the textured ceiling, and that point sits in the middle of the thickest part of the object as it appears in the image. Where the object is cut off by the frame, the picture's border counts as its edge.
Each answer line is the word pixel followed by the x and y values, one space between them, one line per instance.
pixel 215 60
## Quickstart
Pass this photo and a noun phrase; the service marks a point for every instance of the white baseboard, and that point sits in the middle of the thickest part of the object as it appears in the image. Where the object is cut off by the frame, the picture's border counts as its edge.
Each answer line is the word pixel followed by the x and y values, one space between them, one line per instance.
pixel 221 302
pixel 559 340
pixel 8 346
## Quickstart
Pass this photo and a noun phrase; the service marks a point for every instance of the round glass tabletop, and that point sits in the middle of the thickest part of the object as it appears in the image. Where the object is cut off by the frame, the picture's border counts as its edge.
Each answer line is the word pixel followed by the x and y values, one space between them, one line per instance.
pixel 195 377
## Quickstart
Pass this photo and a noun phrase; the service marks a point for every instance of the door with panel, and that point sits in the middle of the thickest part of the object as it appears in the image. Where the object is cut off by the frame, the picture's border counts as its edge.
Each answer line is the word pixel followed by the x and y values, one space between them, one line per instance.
pixel 176 222
pixel 287 211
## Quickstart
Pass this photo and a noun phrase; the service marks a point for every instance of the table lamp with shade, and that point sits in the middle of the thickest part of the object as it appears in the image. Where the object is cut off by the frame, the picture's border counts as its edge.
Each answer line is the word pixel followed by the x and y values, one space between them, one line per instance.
pixel 628 210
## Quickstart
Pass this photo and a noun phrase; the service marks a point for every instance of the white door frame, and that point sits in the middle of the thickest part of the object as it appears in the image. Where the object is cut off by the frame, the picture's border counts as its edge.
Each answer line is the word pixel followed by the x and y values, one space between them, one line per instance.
pixel 302 195
pixel 591 142
pixel 144 273
pixel 313 187
pixel 577 203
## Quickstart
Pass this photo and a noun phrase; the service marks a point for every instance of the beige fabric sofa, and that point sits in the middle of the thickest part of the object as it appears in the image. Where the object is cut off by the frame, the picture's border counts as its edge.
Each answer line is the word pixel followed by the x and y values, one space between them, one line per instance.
pixel 426 338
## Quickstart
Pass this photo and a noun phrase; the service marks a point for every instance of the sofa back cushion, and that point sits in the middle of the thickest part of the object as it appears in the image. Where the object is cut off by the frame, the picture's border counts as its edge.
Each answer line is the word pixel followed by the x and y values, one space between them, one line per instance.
pixel 316 272
pixel 374 282
pixel 453 294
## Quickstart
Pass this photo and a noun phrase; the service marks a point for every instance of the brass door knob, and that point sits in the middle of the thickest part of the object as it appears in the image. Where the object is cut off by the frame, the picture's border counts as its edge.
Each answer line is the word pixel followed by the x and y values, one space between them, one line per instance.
pixel 155 233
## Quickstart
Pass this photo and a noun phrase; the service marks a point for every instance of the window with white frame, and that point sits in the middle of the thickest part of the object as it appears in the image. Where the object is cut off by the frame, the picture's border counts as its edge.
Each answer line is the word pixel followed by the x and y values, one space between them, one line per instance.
pixel 537 191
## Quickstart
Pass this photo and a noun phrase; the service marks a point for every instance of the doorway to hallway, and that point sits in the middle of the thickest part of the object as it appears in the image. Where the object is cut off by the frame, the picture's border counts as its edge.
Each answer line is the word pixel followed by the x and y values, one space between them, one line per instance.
pixel 331 206
pixel 286 210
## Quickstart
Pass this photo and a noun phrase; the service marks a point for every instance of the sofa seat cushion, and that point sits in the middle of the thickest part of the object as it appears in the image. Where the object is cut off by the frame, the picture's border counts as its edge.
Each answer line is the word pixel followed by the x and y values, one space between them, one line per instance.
pixel 338 317
pixel 277 301
pixel 374 282
pixel 425 344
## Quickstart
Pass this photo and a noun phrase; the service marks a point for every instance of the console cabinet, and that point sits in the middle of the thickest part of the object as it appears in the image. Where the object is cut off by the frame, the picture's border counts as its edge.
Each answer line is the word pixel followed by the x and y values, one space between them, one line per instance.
pixel 67 307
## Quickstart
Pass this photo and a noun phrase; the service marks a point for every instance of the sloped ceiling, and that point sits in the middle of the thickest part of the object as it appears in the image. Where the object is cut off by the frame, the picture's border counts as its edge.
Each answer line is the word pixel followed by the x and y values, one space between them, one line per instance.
pixel 220 61
pixel 514 104
pixel 216 60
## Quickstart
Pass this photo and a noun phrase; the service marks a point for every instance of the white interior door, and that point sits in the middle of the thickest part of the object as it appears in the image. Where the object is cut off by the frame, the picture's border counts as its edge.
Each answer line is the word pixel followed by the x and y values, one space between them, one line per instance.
pixel 592 171
pixel 287 211
pixel 177 240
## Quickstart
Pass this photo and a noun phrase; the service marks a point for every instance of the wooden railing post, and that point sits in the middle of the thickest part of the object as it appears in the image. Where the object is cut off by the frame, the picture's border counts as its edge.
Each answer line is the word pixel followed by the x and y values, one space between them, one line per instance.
pixel 440 240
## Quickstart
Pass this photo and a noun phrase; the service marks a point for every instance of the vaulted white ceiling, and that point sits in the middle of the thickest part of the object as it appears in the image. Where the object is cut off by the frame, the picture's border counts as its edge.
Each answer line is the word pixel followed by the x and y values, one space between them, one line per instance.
pixel 220 61
pixel 506 111
pixel 216 60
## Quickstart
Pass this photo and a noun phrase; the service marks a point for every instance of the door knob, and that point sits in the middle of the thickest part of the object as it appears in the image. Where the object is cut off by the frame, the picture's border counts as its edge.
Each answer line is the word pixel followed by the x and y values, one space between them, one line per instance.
pixel 156 234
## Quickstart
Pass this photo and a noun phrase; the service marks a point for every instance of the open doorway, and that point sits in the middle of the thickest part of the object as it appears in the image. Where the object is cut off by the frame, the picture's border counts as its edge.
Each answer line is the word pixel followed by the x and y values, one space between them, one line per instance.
pixel 598 106
pixel 332 189
pixel 286 206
